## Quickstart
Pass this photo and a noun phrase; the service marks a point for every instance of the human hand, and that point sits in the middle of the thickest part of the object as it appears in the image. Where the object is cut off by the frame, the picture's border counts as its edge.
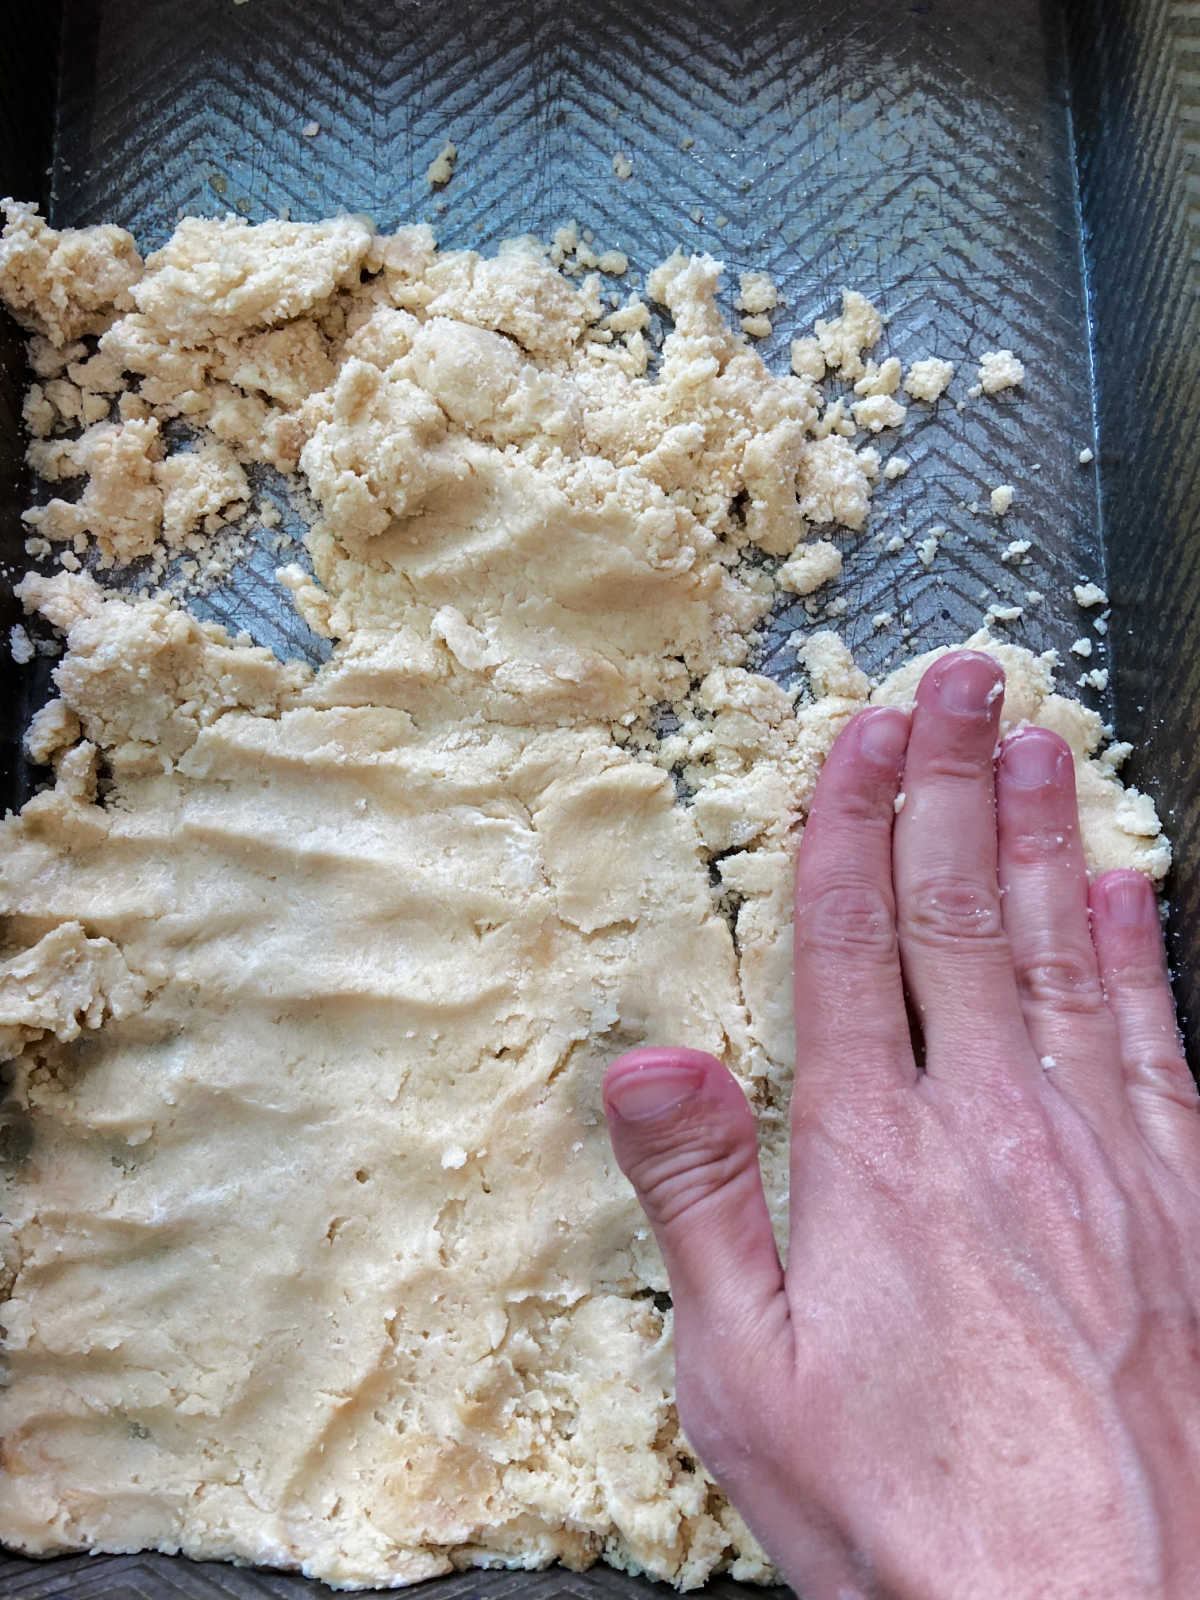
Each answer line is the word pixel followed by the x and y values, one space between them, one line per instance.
pixel 979 1374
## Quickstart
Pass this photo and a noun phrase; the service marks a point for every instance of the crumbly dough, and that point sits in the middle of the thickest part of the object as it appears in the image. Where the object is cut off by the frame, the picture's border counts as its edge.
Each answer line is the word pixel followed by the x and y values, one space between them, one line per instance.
pixel 756 293
pixel 20 645
pixel 928 379
pixel 441 169
pixel 999 369
pixel 62 985
pixel 812 565
pixel 878 411
pixel 843 339
pixel 311 975
pixel 807 359
pixel 879 378
pixel 65 284
pixel 756 297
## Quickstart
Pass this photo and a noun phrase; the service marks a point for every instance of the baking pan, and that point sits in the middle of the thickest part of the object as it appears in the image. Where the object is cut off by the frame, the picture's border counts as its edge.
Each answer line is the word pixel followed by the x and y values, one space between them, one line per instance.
pixel 990 176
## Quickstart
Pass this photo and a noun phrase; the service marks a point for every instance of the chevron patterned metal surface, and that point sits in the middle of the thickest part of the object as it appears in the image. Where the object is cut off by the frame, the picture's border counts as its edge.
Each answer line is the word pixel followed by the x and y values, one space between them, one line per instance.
pixel 1136 100
pixel 166 1578
pixel 925 152
pixel 918 152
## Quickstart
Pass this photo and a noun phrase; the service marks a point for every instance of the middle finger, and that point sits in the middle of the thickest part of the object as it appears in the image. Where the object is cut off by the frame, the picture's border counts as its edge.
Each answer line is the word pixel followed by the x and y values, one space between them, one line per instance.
pixel 1045 882
pixel 956 957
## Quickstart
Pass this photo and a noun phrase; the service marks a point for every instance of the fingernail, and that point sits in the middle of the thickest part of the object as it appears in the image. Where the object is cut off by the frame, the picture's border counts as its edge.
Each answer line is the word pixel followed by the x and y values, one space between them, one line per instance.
pixel 1127 899
pixel 968 684
pixel 651 1091
pixel 1032 760
pixel 883 736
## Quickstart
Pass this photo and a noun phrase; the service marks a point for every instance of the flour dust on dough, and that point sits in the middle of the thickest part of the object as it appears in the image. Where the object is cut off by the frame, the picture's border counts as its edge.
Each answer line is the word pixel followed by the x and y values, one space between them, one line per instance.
pixel 315 1252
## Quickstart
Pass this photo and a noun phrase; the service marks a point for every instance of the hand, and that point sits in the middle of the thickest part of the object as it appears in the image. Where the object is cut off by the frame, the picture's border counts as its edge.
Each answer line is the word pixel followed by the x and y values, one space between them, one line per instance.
pixel 979 1374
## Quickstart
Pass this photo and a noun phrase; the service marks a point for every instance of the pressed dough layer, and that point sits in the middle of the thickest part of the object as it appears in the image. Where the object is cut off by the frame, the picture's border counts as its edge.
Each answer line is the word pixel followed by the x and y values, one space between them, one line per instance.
pixel 314 1247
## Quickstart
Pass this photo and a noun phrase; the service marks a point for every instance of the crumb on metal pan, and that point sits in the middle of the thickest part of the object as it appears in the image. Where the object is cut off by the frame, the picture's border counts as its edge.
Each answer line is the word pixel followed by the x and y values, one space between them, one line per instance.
pixel 441 169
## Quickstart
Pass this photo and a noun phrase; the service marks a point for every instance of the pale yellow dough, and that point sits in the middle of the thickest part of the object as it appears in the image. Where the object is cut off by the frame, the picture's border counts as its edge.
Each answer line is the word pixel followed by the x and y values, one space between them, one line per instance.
pixel 316 1250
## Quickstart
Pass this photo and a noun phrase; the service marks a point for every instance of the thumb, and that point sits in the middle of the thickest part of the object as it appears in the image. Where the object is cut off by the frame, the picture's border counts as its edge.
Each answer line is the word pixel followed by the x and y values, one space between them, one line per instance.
pixel 684 1136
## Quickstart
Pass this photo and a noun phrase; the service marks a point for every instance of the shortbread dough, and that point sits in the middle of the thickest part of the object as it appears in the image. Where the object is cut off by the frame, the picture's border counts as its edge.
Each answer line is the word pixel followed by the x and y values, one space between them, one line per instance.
pixel 315 1250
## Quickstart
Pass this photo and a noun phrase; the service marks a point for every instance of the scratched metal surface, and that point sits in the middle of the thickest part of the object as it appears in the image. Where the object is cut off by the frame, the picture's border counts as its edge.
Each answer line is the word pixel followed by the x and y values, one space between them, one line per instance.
pixel 920 153
pixel 924 153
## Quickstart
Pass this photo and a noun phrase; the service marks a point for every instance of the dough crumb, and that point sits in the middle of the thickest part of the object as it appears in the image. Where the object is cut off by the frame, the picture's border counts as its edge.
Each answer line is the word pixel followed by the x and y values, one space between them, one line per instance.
pixel 1016 551
pixel 927 548
pixel 1086 456
pixel 807 359
pixel 64 984
pixel 441 169
pixel 896 467
pixel 756 293
pixel 1082 647
pixel 20 645
pixel 65 285
pixel 879 379
pixel 1096 679
pixel 811 566
pixel 622 166
pixel 756 327
pixel 1090 594
pixel 878 412
pixel 843 339
pixel 928 379
pixel 310 130
pixel 999 369
pixel 1001 498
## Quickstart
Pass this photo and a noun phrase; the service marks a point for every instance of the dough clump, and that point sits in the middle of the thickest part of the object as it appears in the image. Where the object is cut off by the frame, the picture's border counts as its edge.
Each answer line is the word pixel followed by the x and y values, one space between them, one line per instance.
pixel 311 975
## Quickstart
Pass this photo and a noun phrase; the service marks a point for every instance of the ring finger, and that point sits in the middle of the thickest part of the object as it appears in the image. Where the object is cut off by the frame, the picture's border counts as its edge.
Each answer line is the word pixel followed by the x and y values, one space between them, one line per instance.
pixel 1044 884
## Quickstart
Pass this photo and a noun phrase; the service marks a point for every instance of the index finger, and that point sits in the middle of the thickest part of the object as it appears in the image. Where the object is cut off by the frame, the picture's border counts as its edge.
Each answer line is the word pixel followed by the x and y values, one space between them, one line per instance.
pixel 851 1023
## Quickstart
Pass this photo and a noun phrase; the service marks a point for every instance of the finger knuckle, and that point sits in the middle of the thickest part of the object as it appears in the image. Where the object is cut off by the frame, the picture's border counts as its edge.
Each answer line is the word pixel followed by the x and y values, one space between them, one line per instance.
pixel 950 908
pixel 954 765
pixel 866 807
pixel 710 1416
pixel 1062 980
pixel 1163 1071
pixel 847 918
pixel 1141 975
pixel 677 1182
pixel 1035 846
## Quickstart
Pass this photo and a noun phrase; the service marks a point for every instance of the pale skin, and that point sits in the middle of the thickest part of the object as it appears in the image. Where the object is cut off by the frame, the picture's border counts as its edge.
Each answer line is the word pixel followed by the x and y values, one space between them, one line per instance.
pixel 978 1377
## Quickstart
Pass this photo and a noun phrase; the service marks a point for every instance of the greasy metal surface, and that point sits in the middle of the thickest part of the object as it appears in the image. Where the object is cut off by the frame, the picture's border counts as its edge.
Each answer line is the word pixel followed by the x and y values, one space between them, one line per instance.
pixel 28 49
pixel 920 152
pixel 1137 120
pixel 166 1578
